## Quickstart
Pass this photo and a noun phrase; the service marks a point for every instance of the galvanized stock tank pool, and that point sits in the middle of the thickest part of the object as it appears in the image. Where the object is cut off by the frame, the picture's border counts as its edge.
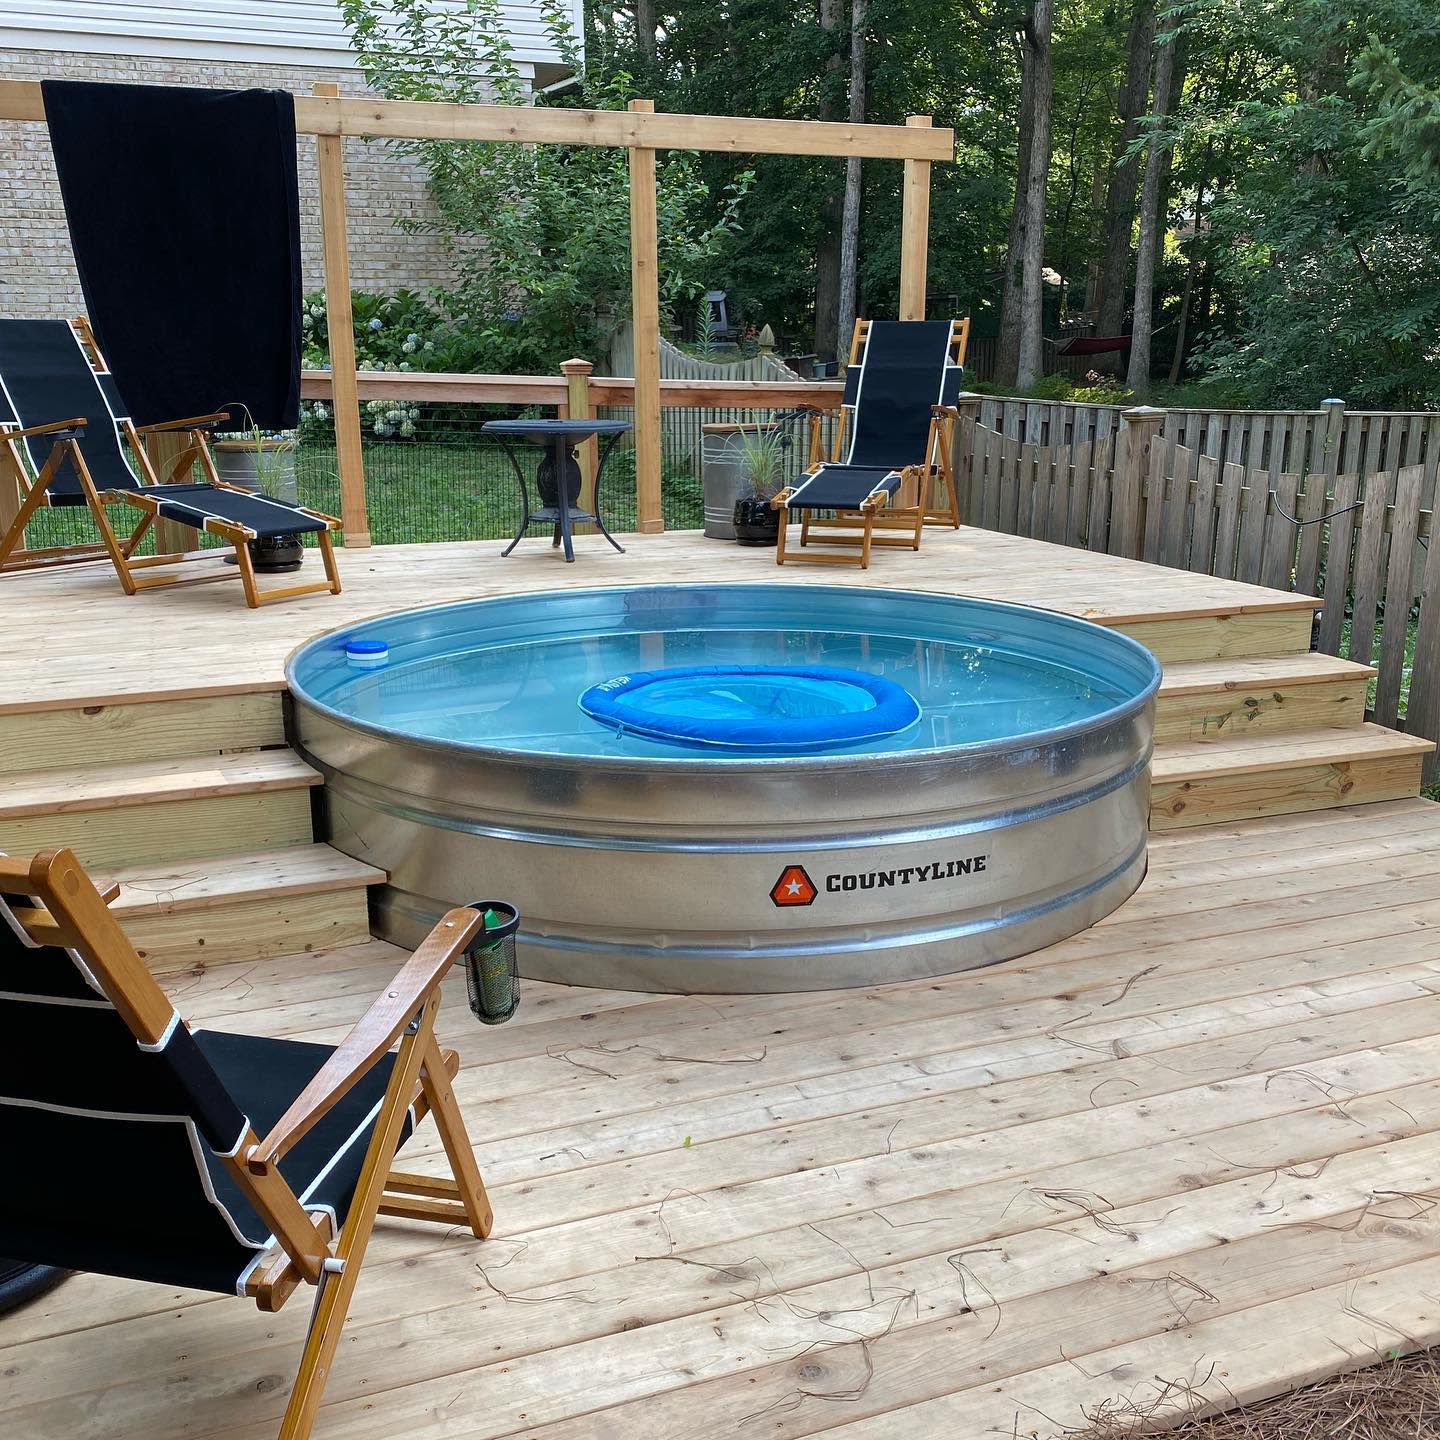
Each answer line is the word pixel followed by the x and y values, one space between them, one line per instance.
pixel 738 787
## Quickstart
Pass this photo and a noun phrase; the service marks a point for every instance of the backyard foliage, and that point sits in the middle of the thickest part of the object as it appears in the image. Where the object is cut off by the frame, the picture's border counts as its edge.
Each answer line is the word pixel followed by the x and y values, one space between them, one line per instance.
pixel 1298 187
pixel 1324 231
pixel 1274 168
pixel 539 235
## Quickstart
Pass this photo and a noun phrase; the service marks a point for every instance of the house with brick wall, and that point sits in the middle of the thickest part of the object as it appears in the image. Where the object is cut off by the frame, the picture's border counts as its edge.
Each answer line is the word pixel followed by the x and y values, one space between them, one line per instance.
pixel 278 44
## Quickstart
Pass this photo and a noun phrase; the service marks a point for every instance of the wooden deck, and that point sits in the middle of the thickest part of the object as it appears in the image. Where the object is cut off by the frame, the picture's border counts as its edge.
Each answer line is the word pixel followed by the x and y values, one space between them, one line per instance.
pixel 1186 1159
pixel 95 646
pixel 1193 1151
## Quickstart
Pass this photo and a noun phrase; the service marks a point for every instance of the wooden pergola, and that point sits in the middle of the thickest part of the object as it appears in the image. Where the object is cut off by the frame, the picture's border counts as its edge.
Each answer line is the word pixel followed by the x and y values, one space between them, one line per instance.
pixel 332 118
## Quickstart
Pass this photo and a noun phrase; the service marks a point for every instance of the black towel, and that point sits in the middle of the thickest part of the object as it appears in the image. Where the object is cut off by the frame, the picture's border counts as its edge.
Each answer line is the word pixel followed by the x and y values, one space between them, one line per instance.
pixel 185 219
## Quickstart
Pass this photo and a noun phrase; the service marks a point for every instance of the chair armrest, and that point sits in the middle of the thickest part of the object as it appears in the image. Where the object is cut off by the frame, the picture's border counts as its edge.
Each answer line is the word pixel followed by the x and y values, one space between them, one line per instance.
pixel 816 455
pixel 45 929
pixel 54 427
pixel 191 422
pixel 374 1033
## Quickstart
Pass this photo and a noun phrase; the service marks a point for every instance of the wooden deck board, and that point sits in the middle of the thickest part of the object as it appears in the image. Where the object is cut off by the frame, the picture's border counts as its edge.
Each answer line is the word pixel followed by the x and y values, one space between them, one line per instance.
pixel 101 647
pixel 1176 1148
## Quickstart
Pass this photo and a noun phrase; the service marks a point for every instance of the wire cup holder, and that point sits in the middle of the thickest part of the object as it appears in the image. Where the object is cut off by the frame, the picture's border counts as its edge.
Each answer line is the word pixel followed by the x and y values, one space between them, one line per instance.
pixel 491 977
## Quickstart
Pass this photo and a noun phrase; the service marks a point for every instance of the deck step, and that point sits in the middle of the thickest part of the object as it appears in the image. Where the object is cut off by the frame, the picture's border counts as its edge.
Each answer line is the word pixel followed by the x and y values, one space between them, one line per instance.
pixel 115 734
pixel 1231 635
pixel 181 915
pixel 1213 701
pixel 1206 782
pixel 113 815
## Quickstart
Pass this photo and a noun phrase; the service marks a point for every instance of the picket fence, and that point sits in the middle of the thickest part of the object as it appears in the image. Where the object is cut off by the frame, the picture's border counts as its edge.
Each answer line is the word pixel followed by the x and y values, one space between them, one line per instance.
pixel 1329 502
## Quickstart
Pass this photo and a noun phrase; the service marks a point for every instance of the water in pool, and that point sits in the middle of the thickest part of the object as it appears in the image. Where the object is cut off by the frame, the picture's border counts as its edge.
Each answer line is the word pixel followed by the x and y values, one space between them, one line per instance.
pixel 525 696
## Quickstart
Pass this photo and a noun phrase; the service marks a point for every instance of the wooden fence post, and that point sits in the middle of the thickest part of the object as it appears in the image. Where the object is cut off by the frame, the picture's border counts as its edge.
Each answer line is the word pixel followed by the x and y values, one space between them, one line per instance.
pixel 914 232
pixel 962 457
pixel 645 311
pixel 1315 499
pixel 340 325
pixel 577 407
pixel 1139 429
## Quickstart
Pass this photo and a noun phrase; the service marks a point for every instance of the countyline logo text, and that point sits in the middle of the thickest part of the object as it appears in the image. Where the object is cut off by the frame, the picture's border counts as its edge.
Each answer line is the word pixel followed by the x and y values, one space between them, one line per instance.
pixel 911 874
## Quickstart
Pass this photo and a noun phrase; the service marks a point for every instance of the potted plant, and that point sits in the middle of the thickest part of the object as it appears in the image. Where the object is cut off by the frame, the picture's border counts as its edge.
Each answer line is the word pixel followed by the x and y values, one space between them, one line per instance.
pixel 761 454
pixel 265 463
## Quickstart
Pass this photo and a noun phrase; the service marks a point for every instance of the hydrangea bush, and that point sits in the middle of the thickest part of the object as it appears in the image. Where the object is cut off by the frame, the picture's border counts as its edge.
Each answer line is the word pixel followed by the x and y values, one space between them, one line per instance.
pixel 405 331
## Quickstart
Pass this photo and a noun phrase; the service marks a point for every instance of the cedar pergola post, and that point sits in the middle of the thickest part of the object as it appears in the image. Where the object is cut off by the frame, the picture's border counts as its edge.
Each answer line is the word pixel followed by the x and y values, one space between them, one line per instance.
pixel 645 321
pixel 914 231
pixel 340 328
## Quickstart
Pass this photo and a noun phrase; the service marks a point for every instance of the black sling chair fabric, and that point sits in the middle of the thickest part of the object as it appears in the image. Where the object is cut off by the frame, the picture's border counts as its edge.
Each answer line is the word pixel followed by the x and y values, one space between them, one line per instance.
pixel 78 1090
pixel 136 1138
pixel 66 438
pixel 905 369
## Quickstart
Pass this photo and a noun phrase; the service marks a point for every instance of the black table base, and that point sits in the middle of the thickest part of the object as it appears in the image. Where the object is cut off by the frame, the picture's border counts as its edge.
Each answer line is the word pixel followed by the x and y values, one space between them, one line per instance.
pixel 557 508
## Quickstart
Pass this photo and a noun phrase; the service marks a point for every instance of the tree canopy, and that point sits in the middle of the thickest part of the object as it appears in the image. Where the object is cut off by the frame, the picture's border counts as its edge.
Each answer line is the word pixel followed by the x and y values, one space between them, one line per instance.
pixel 1274 167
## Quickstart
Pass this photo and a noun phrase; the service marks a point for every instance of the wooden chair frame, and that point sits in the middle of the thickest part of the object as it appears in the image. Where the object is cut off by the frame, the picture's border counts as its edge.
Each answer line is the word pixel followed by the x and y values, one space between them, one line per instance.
pixel 66 909
pixel 855 528
pixel 34 493
pixel 879 511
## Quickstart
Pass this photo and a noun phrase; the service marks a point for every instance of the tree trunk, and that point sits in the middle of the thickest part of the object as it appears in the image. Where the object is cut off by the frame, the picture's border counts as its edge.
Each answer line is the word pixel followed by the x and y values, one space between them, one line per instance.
pixel 827 254
pixel 850 216
pixel 1120 198
pixel 1192 268
pixel 1169 77
pixel 1097 235
pixel 1007 349
pixel 645 28
pixel 1032 294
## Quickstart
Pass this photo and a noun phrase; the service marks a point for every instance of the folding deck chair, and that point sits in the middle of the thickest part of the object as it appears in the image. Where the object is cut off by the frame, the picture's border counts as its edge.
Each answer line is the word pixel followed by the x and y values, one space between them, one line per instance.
pixel 134 1141
pixel 896 430
pixel 54 389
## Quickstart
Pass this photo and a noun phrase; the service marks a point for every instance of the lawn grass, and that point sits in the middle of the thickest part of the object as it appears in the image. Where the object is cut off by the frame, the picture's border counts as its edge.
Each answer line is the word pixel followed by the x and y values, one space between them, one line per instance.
pixel 421 492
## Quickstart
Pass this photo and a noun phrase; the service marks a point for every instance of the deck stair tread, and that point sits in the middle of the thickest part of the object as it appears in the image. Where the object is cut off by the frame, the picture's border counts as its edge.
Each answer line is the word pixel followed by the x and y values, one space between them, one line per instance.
pixel 1195 677
pixel 165 887
pixel 107 787
pixel 1192 760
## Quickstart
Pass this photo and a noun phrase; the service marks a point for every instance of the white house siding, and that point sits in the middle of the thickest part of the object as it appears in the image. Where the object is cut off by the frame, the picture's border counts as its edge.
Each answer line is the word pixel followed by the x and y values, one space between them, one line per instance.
pixel 277 44
pixel 267 32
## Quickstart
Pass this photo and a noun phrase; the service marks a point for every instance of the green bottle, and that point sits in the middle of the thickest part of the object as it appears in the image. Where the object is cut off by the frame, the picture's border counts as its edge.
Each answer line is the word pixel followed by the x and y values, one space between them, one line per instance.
pixel 498 997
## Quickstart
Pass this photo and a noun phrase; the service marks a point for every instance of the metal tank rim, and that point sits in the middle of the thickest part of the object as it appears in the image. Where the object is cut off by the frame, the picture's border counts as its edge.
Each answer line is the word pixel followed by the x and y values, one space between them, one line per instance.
pixel 752 765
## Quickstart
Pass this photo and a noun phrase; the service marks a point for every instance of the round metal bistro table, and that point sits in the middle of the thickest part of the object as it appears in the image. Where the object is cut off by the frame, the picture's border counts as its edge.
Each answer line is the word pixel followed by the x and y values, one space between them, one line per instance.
pixel 557 480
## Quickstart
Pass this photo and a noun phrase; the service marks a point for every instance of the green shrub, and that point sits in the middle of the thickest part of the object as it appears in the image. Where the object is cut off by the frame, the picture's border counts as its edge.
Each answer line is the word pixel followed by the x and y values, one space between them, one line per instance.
pixel 404 332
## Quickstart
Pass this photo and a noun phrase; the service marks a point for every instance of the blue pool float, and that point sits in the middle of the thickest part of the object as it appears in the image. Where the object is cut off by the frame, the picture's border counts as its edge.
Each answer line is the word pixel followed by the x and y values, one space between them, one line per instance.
pixel 754 709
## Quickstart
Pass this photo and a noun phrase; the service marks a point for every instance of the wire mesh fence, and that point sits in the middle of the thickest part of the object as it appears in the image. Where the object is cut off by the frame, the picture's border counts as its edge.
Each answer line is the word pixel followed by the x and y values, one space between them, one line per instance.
pixel 448 480
pixel 433 475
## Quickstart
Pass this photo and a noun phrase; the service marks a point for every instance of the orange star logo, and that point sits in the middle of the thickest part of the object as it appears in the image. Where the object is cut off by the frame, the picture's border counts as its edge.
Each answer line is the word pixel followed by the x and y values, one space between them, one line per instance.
pixel 794 887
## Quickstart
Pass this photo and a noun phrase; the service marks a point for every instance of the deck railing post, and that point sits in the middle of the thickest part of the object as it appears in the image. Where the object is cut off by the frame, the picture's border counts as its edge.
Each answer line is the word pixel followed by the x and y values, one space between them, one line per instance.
pixel 962 458
pixel 9 500
pixel 1139 429
pixel 171 537
pixel 340 326
pixel 577 374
